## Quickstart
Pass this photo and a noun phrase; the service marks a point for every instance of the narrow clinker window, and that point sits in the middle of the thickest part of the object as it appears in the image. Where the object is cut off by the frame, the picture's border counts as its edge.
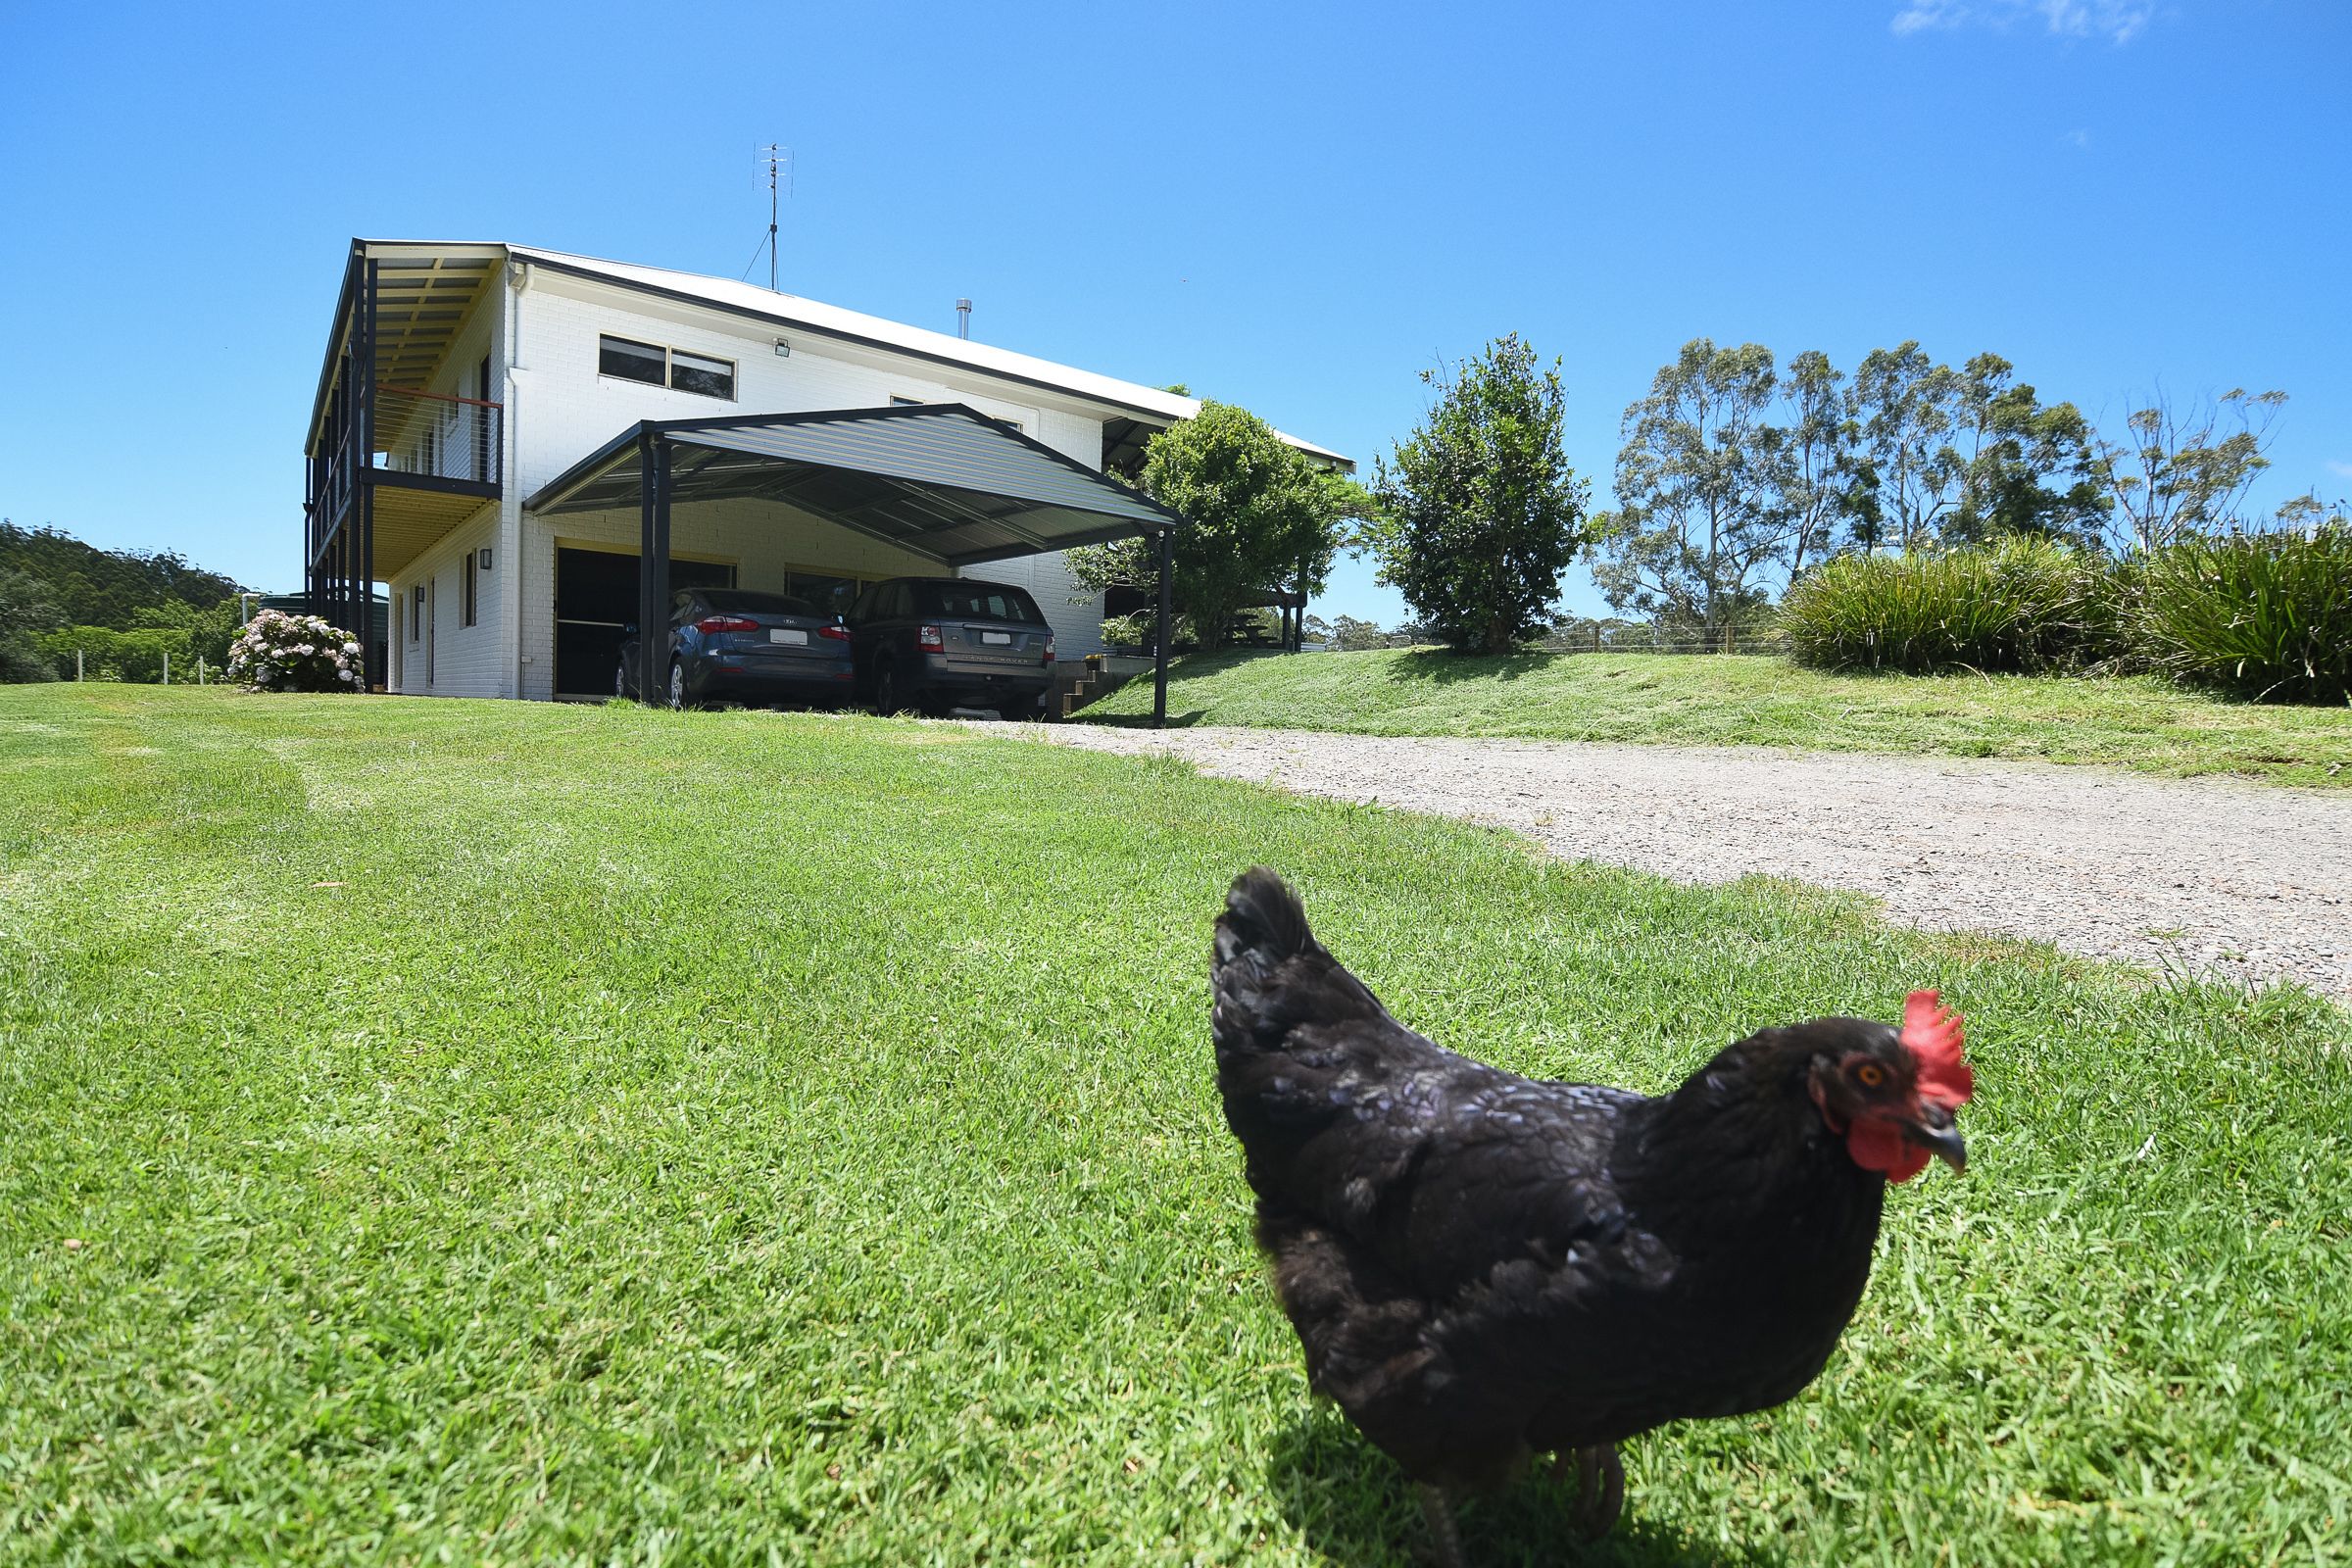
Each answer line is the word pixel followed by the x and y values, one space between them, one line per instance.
pixel 417 615
pixel 466 592
pixel 632 362
pixel 696 373
pixel 655 366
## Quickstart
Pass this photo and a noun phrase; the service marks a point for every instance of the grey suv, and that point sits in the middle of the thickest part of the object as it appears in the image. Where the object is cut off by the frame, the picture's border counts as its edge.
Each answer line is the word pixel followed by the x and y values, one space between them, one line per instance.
pixel 935 643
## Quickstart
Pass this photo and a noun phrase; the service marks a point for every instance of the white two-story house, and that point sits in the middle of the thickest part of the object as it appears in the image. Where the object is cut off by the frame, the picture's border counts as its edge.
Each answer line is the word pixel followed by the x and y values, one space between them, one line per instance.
pixel 530 449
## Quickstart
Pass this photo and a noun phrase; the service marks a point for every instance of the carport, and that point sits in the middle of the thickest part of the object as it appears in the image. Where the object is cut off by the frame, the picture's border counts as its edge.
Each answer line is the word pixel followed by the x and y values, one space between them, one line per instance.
pixel 938 480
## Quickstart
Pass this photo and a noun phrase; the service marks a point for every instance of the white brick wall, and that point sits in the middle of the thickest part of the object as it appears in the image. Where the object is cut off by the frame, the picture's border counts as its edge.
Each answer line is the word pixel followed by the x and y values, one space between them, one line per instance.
pixel 467 661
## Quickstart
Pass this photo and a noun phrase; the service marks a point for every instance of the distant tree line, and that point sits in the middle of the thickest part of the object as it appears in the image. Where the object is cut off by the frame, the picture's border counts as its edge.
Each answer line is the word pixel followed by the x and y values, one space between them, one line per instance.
pixel 1736 475
pixel 123 610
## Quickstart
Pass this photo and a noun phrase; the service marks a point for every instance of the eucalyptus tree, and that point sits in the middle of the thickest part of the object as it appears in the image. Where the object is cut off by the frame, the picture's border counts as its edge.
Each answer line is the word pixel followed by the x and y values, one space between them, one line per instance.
pixel 1814 454
pixel 1907 413
pixel 1702 493
pixel 2030 469
pixel 2181 468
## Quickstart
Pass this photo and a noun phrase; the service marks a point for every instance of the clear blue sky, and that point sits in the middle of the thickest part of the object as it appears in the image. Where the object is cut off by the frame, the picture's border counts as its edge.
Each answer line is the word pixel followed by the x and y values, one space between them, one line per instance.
pixel 1292 208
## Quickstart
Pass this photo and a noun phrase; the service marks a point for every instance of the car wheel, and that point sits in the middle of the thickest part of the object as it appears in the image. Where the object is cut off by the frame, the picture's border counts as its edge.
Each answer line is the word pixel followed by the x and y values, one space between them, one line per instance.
pixel 677 685
pixel 888 699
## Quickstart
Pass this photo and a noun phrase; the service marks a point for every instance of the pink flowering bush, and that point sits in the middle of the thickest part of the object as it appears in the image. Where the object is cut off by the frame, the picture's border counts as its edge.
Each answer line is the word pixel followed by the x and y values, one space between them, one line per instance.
pixel 281 653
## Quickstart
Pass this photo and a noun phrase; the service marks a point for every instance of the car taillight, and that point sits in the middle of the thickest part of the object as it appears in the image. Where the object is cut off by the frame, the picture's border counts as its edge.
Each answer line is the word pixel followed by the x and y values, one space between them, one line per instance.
pixel 1049 658
pixel 840 634
pixel 928 639
pixel 717 624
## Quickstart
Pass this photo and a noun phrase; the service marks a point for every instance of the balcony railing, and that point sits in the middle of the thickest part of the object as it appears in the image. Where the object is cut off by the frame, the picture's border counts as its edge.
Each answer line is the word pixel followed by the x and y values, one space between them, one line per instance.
pixel 432 434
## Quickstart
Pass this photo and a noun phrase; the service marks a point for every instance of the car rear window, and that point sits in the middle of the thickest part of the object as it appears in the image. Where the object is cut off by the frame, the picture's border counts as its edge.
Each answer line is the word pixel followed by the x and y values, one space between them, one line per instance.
pixel 954 601
pixel 745 602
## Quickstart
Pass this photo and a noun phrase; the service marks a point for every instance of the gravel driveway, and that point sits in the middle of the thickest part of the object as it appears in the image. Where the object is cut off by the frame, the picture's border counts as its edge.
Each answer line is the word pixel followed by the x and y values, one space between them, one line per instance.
pixel 2211 876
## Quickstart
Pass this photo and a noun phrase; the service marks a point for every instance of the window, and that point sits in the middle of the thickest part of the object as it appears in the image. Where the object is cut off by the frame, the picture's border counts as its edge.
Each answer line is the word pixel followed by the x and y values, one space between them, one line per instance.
pixel 980 602
pixel 898 402
pixel 417 613
pixel 657 365
pixel 466 604
pixel 694 372
pixel 632 362
pixel 828 593
pixel 751 602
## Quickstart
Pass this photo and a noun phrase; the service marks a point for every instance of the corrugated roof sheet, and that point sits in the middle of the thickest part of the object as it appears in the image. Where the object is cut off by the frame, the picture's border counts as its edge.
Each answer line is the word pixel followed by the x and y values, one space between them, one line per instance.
pixel 832 319
pixel 943 480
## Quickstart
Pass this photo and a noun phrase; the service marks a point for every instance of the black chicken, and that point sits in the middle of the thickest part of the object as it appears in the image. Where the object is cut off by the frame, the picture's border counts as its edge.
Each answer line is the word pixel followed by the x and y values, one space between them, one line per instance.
pixel 1482 1267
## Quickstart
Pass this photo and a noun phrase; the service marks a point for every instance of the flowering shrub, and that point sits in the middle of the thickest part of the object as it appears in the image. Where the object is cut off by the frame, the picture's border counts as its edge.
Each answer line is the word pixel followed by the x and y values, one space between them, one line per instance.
pixel 281 653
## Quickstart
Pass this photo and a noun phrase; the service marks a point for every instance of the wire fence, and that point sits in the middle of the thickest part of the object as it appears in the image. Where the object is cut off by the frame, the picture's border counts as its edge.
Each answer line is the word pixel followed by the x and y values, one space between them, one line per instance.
pixel 1762 642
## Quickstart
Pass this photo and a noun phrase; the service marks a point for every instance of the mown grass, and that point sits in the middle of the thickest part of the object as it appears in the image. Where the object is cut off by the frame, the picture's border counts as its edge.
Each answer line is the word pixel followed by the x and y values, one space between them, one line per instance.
pixel 1706 700
pixel 503 1133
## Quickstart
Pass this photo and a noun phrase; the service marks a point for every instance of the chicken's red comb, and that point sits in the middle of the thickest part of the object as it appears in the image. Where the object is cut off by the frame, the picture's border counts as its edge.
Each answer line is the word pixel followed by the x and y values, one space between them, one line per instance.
pixel 1931 1031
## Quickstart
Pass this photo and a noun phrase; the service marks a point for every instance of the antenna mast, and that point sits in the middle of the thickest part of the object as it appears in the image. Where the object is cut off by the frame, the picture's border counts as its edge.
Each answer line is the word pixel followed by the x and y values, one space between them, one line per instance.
pixel 779 172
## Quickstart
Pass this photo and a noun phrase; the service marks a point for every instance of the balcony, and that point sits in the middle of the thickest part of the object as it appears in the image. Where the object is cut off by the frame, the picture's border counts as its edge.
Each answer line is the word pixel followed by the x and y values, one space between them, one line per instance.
pixel 428 436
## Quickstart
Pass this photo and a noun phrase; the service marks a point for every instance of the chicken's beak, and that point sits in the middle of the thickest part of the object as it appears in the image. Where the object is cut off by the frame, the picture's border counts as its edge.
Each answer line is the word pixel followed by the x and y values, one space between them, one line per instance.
pixel 1932 1130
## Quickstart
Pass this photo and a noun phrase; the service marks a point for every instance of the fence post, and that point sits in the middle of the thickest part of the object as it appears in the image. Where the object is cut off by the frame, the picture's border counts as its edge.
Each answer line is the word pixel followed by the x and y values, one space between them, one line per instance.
pixel 1597 636
pixel 77 664
pixel 167 668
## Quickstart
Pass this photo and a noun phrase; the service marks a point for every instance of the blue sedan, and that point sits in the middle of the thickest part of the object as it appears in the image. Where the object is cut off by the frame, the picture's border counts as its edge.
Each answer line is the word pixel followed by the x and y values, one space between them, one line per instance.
pixel 750 646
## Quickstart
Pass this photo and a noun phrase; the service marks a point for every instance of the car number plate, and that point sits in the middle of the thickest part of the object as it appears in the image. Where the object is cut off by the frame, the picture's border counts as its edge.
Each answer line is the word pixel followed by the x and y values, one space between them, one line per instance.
pixel 785 634
pixel 1001 637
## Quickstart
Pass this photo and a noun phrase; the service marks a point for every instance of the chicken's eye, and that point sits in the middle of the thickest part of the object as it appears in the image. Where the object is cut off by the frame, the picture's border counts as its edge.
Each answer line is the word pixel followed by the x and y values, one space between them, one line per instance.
pixel 1870 1075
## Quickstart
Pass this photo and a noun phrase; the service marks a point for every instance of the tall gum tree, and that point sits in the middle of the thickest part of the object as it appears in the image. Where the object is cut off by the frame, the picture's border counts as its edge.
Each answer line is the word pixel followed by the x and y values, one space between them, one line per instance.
pixel 1703 492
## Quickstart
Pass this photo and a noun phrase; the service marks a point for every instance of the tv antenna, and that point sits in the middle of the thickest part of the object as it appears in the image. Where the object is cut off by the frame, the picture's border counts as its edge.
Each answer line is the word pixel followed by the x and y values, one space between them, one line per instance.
pixel 777 160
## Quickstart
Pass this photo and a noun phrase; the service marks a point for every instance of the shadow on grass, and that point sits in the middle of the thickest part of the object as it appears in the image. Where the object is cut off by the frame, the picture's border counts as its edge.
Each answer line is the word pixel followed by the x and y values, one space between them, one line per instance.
pixel 1440 668
pixel 1184 720
pixel 1353 1505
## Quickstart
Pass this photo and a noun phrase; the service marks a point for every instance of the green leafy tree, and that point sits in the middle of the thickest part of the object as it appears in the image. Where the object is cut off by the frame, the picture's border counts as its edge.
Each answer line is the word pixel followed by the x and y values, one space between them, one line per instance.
pixel 1259 512
pixel 1354 635
pixel 1480 512
pixel 2184 470
pixel 2030 469
pixel 1703 493
pixel 27 610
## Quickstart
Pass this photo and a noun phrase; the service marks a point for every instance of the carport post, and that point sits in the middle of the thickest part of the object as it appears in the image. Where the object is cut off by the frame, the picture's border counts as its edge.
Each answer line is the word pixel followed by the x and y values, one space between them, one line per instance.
pixel 652 567
pixel 1167 613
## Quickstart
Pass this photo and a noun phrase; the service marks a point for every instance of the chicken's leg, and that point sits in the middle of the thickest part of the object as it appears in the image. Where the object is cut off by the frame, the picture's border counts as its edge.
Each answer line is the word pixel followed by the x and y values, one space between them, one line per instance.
pixel 1600 1483
pixel 1437 1508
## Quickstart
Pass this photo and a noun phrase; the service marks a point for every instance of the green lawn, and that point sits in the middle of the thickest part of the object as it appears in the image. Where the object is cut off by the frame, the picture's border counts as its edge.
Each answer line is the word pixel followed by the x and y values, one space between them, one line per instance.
pixel 1700 701
pixel 513 1133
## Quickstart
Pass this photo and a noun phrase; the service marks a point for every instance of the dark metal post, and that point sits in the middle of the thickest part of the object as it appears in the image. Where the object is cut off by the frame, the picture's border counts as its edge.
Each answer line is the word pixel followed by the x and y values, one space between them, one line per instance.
pixel 1167 617
pixel 1298 625
pixel 371 656
pixel 652 567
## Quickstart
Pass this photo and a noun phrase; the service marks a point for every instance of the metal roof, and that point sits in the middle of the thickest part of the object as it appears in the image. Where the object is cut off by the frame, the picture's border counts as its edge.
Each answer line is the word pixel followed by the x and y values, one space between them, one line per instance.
pixel 407 258
pixel 832 321
pixel 939 479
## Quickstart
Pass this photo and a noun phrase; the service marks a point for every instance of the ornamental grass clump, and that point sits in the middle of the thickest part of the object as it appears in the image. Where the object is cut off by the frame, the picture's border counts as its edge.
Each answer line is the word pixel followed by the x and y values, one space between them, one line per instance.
pixel 281 653
pixel 2263 616
pixel 2017 605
